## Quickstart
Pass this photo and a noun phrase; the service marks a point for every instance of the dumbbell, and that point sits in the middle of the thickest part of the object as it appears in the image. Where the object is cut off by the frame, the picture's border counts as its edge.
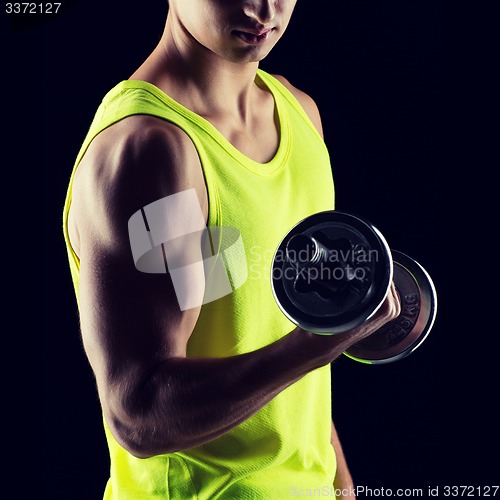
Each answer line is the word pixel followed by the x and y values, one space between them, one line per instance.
pixel 332 272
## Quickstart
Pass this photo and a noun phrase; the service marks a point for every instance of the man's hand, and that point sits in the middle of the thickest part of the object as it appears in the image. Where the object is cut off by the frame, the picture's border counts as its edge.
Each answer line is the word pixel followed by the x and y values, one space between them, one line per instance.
pixel 331 346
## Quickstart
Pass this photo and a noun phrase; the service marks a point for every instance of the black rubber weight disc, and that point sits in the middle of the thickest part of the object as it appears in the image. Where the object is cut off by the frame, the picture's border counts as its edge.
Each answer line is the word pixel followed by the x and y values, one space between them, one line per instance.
pixel 400 337
pixel 323 316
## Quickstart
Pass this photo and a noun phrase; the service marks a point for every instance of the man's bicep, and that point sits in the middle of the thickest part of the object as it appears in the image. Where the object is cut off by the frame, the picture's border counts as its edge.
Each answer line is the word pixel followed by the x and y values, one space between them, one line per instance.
pixel 130 320
pixel 131 207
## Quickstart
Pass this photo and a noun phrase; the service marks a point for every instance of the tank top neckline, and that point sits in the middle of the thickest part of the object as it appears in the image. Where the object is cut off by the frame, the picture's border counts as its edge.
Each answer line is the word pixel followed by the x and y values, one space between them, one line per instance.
pixel 272 166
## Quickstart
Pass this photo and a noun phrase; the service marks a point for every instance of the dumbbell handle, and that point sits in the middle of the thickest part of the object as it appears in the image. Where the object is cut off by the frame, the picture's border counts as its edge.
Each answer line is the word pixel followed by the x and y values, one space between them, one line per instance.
pixel 307 254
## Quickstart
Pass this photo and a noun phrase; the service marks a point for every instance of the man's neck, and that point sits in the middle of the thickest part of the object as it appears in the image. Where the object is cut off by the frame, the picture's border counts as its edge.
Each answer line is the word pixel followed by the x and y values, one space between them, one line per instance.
pixel 199 79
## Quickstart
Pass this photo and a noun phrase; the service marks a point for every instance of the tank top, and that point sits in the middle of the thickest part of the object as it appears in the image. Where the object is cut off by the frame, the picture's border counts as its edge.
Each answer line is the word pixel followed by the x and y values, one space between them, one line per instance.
pixel 284 449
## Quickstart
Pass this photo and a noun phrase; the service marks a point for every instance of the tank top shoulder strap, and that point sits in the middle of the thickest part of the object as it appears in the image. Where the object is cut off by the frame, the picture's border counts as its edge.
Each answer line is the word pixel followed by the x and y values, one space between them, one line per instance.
pixel 281 90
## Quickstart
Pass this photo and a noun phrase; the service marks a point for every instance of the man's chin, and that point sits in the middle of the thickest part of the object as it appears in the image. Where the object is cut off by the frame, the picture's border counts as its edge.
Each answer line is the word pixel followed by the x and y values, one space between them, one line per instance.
pixel 247 55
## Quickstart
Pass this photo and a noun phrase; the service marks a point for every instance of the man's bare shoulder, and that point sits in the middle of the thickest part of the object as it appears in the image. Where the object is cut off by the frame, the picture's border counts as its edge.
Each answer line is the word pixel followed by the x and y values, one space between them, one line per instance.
pixel 140 145
pixel 305 100
pixel 143 152
pixel 129 165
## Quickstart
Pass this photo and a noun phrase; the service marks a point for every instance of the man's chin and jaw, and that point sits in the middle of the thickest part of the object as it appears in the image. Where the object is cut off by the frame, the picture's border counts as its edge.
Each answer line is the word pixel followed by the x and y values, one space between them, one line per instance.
pixel 235 31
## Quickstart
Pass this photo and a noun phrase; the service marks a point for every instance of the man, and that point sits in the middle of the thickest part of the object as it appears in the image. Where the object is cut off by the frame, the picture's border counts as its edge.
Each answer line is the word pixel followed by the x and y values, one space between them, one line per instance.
pixel 219 398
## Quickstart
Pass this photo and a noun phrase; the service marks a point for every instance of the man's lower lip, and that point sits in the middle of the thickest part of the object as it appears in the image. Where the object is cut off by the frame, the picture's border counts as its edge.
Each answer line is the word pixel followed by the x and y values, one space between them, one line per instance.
pixel 252 39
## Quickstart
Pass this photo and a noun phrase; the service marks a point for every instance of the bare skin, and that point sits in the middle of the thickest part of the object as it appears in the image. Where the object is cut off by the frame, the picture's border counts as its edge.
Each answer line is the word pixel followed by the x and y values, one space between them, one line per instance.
pixel 154 398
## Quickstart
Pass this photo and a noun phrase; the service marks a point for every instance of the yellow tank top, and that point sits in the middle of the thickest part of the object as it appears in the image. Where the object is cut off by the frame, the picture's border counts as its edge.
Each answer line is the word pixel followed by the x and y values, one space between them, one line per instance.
pixel 284 449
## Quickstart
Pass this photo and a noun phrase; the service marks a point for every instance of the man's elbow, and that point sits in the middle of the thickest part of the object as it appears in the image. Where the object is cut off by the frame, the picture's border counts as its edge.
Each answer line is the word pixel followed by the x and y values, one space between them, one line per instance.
pixel 135 427
pixel 142 440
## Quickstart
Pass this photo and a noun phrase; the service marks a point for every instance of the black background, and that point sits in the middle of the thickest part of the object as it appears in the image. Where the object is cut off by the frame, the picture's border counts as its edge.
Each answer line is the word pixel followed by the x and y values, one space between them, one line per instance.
pixel 378 73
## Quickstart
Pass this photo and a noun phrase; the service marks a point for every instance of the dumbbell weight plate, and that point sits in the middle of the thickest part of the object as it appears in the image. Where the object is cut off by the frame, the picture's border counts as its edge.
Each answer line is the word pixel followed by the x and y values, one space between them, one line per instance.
pixel 401 336
pixel 358 299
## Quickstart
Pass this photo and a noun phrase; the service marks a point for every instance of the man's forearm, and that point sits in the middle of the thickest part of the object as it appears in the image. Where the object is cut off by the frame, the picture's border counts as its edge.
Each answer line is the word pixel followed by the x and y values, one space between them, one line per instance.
pixel 187 402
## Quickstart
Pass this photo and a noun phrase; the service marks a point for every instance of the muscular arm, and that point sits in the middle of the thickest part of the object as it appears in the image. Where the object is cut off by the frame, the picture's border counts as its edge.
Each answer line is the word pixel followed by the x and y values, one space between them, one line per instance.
pixel 154 398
